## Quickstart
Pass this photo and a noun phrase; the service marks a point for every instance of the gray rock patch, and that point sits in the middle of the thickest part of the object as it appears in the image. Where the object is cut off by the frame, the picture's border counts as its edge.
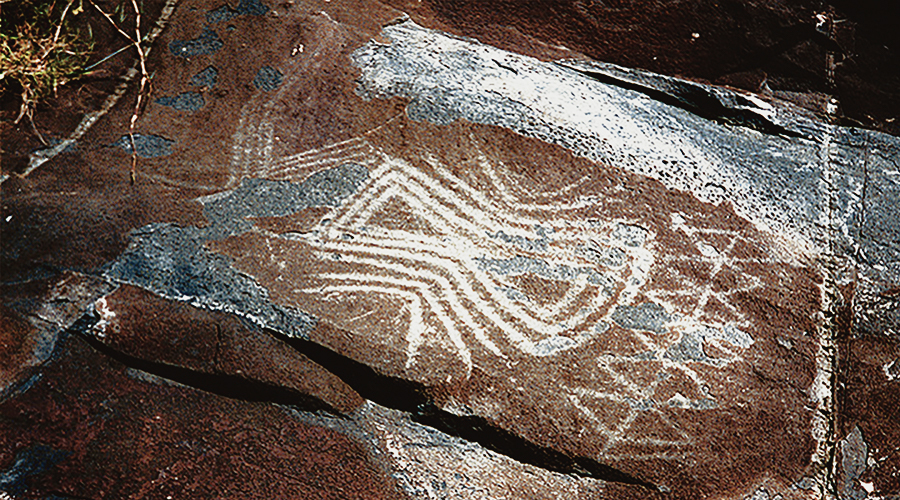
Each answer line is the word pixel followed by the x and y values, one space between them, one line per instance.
pixel 207 43
pixel 647 356
pixel 528 244
pixel 172 262
pixel 629 235
pixel 691 345
pixel 244 8
pixel 648 316
pixel 552 345
pixel 641 404
pixel 679 401
pixel 731 334
pixel 206 78
pixel 31 461
pixel 265 198
pixel 763 494
pixel 689 348
pixel 268 79
pixel 513 294
pixel 806 483
pixel 185 101
pixel 854 457
pixel 605 256
pixel 147 146
pixel 520 265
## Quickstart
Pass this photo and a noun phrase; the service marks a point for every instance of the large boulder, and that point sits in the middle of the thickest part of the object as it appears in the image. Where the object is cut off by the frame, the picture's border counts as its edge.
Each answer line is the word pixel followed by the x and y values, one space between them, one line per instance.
pixel 374 258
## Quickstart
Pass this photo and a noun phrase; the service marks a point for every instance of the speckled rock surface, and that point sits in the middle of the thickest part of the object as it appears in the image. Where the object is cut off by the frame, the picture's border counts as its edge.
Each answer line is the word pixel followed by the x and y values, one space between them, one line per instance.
pixel 368 255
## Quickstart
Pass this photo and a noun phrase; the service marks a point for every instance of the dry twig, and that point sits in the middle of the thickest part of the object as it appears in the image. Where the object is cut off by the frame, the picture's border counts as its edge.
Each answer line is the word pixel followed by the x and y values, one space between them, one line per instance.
pixel 145 77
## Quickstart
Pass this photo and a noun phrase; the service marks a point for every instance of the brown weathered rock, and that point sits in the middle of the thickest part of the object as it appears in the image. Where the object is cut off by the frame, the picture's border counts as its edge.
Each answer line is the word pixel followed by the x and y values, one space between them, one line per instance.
pixel 362 257
pixel 93 428
pixel 869 412
pixel 146 327
pixel 17 343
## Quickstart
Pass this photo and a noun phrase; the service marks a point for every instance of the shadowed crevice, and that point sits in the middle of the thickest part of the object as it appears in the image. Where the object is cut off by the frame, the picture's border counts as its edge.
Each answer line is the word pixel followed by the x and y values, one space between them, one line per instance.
pixel 692 98
pixel 229 386
pixel 414 398
pixel 391 392
pixel 479 430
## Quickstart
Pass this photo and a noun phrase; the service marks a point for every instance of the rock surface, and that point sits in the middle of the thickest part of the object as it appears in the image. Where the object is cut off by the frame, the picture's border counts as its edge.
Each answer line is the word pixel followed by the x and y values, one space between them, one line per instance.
pixel 369 256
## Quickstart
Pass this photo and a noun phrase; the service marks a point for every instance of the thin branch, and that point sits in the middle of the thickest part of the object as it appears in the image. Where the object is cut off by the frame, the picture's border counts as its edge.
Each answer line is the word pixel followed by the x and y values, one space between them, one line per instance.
pixel 145 77
pixel 113 23
pixel 59 26
pixel 38 158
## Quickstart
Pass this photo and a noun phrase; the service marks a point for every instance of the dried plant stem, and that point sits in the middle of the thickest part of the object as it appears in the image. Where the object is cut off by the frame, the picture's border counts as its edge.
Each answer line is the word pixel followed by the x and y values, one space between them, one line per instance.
pixel 145 77
pixel 40 157
pixel 59 26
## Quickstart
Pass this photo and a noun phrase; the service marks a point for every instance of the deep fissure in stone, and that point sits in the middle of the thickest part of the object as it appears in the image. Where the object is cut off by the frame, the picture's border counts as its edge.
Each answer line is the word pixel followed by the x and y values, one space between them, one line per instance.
pixel 399 394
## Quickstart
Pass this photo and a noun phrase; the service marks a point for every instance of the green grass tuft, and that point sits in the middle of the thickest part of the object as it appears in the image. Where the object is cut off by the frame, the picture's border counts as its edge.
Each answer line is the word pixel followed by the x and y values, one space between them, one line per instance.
pixel 39 48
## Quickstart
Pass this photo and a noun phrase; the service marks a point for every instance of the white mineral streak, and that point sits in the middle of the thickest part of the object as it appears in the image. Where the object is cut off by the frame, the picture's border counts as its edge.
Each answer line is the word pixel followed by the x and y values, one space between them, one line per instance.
pixel 891 371
pixel 106 316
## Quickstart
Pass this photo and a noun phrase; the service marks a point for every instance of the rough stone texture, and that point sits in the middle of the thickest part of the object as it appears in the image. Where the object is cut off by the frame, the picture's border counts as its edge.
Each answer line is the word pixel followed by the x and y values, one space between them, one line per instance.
pixel 803 51
pixel 172 334
pixel 384 261
pixel 868 405
pixel 19 344
pixel 94 428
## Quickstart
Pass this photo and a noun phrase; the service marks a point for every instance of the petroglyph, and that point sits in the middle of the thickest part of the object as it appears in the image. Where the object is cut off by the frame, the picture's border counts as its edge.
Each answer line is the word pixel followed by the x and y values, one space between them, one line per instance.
pixel 576 303
pixel 448 268
pixel 590 280
pixel 484 272
pixel 467 266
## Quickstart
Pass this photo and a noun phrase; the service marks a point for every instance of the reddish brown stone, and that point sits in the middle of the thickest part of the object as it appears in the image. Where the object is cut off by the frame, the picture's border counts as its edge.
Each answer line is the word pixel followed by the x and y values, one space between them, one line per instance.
pixel 145 326
pixel 17 343
pixel 869 399
pixel 44 308
pixel 92 428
